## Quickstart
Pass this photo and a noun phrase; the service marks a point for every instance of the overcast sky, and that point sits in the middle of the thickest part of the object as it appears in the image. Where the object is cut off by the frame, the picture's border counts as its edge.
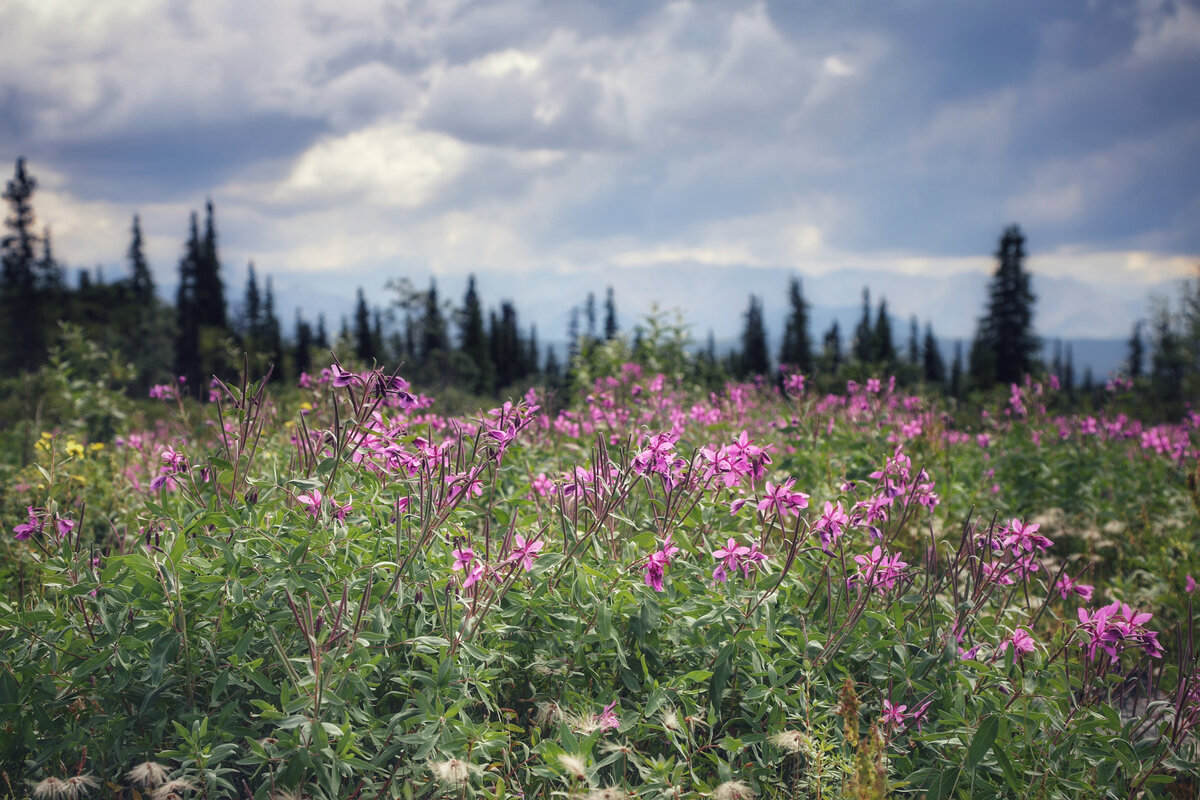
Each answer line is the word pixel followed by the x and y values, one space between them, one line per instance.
pixel 570 145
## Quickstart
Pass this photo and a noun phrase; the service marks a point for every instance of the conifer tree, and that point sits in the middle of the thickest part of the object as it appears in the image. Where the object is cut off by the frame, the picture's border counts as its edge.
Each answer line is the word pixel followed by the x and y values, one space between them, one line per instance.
pixel 209 288
pixel 250 325
pixel 49 273
pixel 1005 342
pixel 363 346
pixel 610 315
pixel 140 280
pixel 934 366
pixel 590 313
pixel 884 349
pixel 796 347
pixel 914 347
pixel 956 370
pixel 321 339
pixel 21 324
pixel 272 335
pixel 433 326
pixel 1135 360
pixel 532 364
pixel 304 344
pixel 1069 372
pixel 831 349
pixel 473 340
pixel 754 359
pixel 187 314
pixel 864 334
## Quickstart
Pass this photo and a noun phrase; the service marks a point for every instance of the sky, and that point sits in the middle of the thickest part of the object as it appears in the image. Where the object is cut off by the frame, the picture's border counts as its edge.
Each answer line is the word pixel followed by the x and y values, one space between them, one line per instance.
pixel 685 153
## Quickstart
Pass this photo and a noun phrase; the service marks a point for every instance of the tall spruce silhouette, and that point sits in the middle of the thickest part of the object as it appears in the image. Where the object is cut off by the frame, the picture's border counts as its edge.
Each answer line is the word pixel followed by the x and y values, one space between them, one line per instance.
pixel 20 307
pixel 610 315
pixel 864 334
pixel 187 312
pixel 141 282
pixel 796 347
pixel 754 358
pixel 934 366
pixel 473 340
pixel 1005 345
pixel 884 349
pixel 209 288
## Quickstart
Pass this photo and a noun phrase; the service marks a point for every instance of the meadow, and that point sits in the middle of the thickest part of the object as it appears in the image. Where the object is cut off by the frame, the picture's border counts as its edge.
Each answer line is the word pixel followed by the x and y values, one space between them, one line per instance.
pixel 647 590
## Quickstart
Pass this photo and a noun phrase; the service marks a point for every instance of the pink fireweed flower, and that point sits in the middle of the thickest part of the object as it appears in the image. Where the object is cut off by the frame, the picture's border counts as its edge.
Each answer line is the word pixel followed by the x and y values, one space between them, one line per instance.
pixel 729 558
pixel 655 567
pixel 831 524
pixel 608 718
pixel 1189 585
pixel 476 572
pixel 783 499
pixel 894 716
pixel 343 377
pixel 33 525
pixel 340 511
pixel 542 485
pixel 312 501
pixel 754 559
pixel 1067 587
pixel 1023 537
pixel 526 551
pixel 1022 642
pixel 879 569
pixel 462 558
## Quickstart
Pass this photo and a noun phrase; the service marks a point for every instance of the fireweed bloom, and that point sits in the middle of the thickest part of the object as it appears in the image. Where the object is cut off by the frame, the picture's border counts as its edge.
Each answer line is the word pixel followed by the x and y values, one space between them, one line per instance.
pixel 782 499
pixel 1189 585
pixel 894 716
pixel 1022 642
pixel 1067 587
pixel 1022 537
pixel 656 564
pixel 831 524
pixel 312 500
pixel 879 569
pixel 608 718
pixel 729 558
pixel 525 552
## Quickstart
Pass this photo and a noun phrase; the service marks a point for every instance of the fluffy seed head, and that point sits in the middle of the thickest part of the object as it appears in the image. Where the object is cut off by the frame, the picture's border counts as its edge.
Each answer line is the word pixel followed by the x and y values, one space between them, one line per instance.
pixel 609 793
pixel 733 790
pixel 172 790
pixel 81 785
pixel 51 789
pixel 573 765
pixel 147 775
pixel 791 741
pixel 451 772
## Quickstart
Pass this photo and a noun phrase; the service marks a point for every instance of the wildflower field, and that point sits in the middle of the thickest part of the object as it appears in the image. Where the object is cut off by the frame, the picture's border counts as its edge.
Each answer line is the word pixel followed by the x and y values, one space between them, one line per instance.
pixel 652 591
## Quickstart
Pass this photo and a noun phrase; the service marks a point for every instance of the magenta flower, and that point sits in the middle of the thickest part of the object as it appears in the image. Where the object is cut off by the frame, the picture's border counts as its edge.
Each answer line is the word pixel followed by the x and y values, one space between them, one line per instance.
pixel 30 527
pixel 525 552
pixel 1067 587
pixel 1189 585
pixel 1022 537
pixel 831 524
pixel 1022 642
pixel 340 511
pixel 879 569
pixel 462 558
pixel 783 499
pixel 474 575
pixel 608 718
pixel 656 564
pixel 729 558
pixel 312 500
pixel 894 715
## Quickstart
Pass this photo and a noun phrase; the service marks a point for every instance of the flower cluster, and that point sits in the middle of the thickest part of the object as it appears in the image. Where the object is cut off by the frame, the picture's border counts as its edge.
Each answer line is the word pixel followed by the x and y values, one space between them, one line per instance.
pixel 1116 628
pixel 734 556
pixel 36 523
pixel 656 564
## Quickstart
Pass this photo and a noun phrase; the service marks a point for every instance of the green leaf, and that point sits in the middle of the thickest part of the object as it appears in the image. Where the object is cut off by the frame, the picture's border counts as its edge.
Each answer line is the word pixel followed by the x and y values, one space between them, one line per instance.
pixel 983 740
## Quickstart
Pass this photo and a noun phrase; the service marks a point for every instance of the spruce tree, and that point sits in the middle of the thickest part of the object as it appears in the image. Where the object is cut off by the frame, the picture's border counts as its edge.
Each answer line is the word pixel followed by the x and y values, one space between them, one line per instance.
pixel 49 274
pixel 141 282
pixel 22 334
pixel 321 339
pixel 864 334
pixel 934 366
pixel 884 349
pixel 272 335
pixel 209 289
pixel 363 345
pixel 831 349
pixel 610 315
pixel 1006 342
pixel 187 314
pixel 796 347
pixel 914 347
pixel 433 326
pixel 754 359
pixel 250 325
pixel 591 316
pixel 956 370
pixel 473 340
pixel 304 344
pixel 1136 358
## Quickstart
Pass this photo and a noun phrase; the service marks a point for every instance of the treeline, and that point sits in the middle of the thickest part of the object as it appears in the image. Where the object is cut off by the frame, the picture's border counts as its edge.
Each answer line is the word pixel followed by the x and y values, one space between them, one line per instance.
pixel 484 351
